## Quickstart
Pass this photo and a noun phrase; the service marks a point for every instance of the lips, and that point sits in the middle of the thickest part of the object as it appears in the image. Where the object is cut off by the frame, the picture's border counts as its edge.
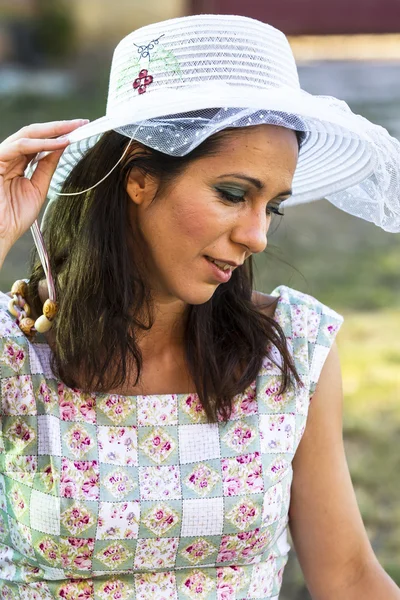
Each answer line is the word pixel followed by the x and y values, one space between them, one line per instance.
pixel 223 262
pixel 221 265
pixel 219 273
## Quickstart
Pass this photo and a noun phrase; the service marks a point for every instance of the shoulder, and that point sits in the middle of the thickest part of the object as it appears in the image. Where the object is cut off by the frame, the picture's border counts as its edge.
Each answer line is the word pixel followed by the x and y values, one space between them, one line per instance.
pixel 293 303
pixel 310 328
pixel 265 303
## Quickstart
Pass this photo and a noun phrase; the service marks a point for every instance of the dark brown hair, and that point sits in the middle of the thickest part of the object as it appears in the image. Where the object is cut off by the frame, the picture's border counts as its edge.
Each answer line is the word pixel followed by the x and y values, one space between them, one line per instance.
pixel 97 263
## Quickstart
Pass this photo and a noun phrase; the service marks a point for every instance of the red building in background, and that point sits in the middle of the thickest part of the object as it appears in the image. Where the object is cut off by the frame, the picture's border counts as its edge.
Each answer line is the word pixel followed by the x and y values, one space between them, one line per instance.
pixel 297 17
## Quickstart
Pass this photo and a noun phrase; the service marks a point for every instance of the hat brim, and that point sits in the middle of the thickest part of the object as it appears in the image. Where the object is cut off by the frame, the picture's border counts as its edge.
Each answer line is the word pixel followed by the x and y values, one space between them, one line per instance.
pixel 337 153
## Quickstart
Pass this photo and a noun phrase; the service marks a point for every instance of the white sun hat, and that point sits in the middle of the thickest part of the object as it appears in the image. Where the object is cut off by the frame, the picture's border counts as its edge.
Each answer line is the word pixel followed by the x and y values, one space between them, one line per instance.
pixel 175 83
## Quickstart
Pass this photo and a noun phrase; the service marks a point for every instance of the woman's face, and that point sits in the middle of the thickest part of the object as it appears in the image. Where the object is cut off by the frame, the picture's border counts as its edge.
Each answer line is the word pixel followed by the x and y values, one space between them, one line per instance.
pixel 220 208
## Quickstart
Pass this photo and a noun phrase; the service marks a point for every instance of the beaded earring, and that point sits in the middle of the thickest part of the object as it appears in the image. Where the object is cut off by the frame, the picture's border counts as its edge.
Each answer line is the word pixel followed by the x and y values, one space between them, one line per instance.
pixel 19 307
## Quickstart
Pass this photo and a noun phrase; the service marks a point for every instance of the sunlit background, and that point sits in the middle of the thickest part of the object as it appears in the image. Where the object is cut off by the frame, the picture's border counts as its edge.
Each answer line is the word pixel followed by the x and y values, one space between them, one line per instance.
pixel 54 62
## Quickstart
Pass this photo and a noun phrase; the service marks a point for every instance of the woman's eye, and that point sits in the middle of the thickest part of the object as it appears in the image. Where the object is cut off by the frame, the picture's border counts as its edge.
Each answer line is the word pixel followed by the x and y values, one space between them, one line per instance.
pixel 274 210
pixel 234 197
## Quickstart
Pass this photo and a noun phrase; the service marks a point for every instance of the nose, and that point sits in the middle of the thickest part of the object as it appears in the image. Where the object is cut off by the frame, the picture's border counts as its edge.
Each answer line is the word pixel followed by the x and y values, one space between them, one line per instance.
pixel 251 230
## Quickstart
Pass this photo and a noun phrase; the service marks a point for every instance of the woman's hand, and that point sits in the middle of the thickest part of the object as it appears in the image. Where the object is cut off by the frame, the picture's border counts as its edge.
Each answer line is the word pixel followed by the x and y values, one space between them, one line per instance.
pixel 21 198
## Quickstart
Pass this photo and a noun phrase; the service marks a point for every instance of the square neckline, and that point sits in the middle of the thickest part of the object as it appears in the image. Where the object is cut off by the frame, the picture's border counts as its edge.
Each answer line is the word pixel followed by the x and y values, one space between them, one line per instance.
pixel 41 340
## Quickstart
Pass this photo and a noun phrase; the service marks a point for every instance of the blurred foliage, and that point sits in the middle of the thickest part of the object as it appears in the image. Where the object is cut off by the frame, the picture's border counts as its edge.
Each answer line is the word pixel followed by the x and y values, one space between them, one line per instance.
pixel 55 30
pixel 342 260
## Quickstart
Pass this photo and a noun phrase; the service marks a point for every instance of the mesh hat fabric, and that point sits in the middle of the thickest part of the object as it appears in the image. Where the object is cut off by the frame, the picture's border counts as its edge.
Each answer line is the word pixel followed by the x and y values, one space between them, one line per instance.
pixel 175 83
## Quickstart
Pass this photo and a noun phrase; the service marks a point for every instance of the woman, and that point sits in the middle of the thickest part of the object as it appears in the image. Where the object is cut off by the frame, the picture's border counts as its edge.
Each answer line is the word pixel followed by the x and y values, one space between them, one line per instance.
pixel 158 434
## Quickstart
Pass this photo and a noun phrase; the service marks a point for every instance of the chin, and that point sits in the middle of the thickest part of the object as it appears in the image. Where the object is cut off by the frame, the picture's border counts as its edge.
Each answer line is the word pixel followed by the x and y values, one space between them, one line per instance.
pixel 194 296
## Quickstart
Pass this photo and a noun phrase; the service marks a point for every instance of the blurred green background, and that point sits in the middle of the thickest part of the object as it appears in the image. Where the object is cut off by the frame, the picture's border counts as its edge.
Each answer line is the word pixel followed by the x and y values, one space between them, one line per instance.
pixel 54 63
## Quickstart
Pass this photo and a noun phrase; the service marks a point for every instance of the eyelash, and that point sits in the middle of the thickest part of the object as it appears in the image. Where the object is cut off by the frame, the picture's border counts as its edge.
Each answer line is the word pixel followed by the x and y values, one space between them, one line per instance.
pixel 236 199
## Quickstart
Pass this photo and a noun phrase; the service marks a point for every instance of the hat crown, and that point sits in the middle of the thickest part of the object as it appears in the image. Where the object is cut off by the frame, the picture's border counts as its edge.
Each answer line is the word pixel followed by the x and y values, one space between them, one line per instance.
pixel 202 51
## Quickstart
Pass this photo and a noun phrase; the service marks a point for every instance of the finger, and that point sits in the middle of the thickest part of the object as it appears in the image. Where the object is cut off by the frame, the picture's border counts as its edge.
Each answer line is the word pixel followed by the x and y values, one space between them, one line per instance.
pixel 47 130
pixel 44 172
pixel 25 146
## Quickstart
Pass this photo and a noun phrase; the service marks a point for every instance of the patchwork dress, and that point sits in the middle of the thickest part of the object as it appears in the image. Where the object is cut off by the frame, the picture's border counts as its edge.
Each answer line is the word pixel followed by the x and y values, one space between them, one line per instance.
pixel 110 497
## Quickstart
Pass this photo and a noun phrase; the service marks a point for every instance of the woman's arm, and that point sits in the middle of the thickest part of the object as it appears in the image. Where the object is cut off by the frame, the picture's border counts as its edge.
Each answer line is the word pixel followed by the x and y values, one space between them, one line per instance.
pixel 326 526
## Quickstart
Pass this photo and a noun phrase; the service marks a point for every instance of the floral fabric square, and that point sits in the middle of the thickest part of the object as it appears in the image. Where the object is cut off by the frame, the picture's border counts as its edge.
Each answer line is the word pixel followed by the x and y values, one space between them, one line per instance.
pixel 20 435
pixel 157 410
pixel 191 410
pixel 114 555
pixel 80 479
pixel 21 468
pixel 198 550
pixel 196 584
pixel 262 579
pixel 21 537
pixel 76 406
pixel 272 505
pixel 272 400
pixel 118 483
pixel 240 437
pixel 17 396
pixel 18 498
pixel 277 433
pixel 75 589
pixel 242 475
pixel 115 589
pixel 160 519
pixel 246 404
pixel 76 553
pixel 118 520
pixel 202 479
pixel 77 519
pixel 158 445
pixel 118 445
pixel 46 395
pixel 116 410
pixel 78 440
pixel 275 467
pixel 158 586
pixel 230 581
pixel 156 553
pixel 244 546
pixel 13 356
pixel 160 482
pixel 8 327
pixel 243 513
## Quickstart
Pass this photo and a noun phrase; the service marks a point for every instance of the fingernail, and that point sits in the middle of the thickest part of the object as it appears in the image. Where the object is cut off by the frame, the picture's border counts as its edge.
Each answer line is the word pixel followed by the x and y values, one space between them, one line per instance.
pixel 83 121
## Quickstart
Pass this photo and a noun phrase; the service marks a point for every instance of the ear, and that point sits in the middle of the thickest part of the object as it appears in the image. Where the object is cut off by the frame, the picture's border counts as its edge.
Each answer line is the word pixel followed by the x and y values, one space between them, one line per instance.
pixel 137 186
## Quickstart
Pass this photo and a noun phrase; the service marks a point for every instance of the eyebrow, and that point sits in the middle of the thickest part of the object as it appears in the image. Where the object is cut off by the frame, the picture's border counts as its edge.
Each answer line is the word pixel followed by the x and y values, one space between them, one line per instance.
pixel 256 182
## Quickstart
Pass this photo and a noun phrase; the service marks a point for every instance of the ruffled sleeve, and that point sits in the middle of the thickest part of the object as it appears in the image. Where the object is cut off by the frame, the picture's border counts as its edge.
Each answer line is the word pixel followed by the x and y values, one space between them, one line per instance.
pixel 310 328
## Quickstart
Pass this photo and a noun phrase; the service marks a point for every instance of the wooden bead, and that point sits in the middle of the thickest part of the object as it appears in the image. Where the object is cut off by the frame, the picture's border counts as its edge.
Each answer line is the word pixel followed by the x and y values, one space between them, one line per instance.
pixel 50 309
pixel 12 309
pixel 26 325
pixel 20 288
pixel 42 324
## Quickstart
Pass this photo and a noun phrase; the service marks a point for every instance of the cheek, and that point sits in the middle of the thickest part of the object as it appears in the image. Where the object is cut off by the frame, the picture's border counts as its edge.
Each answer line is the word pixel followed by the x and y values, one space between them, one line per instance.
pixel 191 222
